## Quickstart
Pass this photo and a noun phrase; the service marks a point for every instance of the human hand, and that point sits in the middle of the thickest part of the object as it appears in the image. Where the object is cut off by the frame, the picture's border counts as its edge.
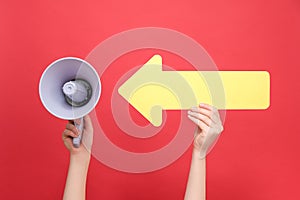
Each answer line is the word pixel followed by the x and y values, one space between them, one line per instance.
pixel 71 132
pixel 209 127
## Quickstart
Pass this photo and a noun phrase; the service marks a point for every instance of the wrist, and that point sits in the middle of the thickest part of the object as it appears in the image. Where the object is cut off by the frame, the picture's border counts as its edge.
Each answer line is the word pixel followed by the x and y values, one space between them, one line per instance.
pixel 197 154
pixel 82 158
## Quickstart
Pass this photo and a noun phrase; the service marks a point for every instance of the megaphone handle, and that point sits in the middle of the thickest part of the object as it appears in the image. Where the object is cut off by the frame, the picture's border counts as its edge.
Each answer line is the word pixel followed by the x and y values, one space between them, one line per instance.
pixel 77 140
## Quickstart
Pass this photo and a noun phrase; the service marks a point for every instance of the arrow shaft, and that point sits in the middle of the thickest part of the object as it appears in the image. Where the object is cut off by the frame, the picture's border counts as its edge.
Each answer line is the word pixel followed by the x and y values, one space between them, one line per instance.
pixel 241 89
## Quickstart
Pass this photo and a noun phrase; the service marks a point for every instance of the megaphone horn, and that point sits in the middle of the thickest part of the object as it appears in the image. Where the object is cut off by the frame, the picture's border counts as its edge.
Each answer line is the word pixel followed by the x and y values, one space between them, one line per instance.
pixel 69 89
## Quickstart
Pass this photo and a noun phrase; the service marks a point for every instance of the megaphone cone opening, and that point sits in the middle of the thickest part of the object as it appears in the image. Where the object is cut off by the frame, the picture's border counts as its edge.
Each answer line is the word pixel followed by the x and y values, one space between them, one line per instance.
pixel 56 75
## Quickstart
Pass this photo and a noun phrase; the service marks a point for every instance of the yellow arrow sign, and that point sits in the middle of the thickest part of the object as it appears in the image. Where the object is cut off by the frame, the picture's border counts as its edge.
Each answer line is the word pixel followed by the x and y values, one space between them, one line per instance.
pixel 150 90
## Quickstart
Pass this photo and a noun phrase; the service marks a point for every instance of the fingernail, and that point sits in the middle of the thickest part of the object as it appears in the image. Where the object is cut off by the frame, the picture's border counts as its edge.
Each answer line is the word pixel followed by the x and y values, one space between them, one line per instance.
pixel 189 112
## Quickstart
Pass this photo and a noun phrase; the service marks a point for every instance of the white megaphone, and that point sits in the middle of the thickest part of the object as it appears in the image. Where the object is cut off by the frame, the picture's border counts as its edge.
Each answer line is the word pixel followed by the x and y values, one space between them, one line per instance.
pixel 69 89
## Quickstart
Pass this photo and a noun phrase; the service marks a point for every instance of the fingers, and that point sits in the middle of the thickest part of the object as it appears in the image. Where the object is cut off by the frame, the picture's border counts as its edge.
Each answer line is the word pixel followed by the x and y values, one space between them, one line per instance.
pixel 207 118
pixel 207 110
pixel 72 127
pixel 68 142
pixel 69 133
pixel 67 137
pixel 198 115
pixel 203 126
pixel 206 106
pixel 206 114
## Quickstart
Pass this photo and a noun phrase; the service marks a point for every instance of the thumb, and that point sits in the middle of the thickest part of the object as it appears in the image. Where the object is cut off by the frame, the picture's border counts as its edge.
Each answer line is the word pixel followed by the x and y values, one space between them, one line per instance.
pixel 87 138
pixel 88 124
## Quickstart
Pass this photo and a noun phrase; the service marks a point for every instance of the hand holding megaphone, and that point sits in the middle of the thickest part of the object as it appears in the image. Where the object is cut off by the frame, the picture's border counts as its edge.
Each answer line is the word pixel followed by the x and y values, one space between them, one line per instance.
pixel 69 89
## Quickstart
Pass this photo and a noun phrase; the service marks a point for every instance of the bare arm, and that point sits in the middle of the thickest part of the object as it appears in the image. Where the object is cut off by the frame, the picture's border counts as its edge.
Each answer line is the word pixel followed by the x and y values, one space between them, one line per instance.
pixel 209 127
pixel 79 161
pixel 196 185
pixel 76 179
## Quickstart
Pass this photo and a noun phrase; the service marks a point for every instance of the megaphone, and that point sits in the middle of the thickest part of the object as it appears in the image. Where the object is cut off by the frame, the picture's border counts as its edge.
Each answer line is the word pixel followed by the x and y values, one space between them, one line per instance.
pixel 69 89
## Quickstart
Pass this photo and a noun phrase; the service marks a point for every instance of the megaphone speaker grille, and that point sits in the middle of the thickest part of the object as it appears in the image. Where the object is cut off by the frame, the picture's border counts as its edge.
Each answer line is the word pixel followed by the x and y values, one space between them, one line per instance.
pixel 77 92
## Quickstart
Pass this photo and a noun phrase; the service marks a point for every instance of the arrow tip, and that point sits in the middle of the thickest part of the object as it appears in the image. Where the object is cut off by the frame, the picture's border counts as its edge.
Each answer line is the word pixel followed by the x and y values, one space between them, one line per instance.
pixel 128 90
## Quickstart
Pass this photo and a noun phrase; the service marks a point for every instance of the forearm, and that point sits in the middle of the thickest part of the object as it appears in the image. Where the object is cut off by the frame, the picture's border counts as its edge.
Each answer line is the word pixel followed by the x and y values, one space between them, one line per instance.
pixel 76 179
pixel 196 186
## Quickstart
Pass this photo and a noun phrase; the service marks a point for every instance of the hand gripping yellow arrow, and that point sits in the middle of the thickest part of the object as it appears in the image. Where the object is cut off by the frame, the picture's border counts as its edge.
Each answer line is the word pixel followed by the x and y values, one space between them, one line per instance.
pixel 150 90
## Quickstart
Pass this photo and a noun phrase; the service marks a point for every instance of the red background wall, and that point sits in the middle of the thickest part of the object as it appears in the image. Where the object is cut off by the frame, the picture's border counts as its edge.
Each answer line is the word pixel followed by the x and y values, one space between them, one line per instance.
pixel 257 156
